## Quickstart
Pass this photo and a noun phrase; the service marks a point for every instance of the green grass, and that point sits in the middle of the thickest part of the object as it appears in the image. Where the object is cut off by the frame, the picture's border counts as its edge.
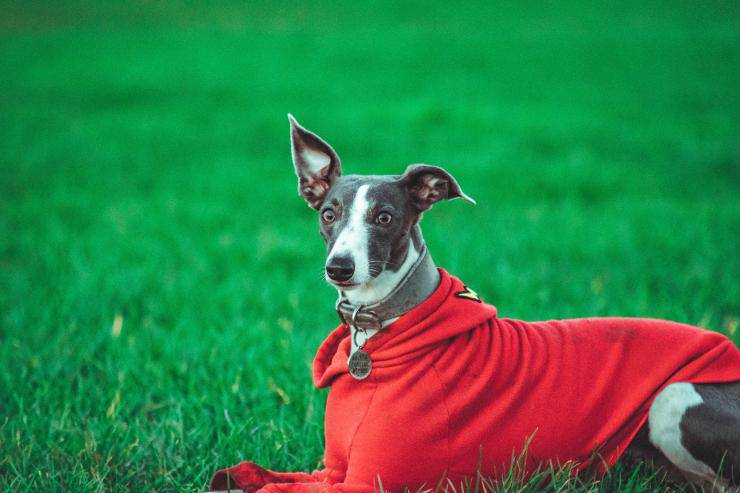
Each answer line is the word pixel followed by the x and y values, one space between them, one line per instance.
pixel 145 175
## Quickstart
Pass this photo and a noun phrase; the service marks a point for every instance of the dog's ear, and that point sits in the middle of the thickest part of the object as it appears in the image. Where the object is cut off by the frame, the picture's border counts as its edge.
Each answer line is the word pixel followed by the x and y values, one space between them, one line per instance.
pixel 315 162
pixel 427 185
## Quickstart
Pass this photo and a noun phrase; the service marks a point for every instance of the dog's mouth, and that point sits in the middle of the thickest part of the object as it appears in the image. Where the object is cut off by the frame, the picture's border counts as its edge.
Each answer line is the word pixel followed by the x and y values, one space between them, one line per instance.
pixel 345 284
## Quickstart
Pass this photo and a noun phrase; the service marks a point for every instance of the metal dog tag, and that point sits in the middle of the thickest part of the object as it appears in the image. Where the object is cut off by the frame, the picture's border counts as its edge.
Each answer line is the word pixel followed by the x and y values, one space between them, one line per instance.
pixel 360 364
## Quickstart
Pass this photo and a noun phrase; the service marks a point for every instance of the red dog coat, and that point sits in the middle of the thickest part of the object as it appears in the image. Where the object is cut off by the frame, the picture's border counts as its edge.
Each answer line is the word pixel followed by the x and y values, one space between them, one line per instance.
pixel 453 385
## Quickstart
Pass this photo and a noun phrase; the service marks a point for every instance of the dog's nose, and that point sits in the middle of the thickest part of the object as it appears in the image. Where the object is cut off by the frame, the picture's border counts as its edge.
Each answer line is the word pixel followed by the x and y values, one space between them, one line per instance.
pixel 340 268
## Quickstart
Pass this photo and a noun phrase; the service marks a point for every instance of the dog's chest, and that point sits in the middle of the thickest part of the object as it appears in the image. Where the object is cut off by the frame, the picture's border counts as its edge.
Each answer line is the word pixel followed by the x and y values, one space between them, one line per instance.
pixel 398 427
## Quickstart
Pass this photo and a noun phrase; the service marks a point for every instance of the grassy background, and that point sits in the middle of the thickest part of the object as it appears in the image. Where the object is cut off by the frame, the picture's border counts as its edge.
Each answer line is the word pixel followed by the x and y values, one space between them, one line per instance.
pixel 160 301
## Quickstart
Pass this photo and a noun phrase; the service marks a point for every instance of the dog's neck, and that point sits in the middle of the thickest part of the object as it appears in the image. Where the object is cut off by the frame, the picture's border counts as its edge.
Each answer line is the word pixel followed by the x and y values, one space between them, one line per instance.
pixel 398 291
pixel 393 293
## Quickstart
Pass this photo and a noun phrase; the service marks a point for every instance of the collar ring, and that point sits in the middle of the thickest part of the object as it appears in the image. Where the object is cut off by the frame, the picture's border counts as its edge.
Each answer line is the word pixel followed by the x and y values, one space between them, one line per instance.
pixel 354 316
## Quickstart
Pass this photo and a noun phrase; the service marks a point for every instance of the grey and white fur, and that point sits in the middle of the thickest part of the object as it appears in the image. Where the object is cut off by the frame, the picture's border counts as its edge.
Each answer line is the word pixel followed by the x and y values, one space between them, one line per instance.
pixel 371 228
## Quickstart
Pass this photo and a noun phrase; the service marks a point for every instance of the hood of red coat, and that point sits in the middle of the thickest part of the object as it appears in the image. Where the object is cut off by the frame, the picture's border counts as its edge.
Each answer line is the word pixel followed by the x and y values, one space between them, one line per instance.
pixel 450 311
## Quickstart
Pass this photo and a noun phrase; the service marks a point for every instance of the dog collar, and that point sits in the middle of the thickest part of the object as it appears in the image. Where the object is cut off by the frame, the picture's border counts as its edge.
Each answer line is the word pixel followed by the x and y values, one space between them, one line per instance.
pixel 419 282
pixel 416 286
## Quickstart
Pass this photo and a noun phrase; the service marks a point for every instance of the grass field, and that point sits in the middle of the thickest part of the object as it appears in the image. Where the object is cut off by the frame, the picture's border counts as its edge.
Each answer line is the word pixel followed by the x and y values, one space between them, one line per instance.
pixel 160 301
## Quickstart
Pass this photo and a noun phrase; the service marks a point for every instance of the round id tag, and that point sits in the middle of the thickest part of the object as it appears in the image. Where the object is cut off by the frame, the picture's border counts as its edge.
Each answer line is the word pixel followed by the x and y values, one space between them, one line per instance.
pixel 360 364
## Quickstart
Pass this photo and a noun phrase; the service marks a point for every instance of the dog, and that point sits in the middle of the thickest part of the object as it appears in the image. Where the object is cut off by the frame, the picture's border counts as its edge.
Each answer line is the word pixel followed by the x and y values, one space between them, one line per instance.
pixel 427 382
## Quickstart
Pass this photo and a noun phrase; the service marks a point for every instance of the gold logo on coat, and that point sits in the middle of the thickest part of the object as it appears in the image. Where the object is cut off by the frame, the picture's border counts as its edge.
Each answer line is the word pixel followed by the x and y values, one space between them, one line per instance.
pixel 469 294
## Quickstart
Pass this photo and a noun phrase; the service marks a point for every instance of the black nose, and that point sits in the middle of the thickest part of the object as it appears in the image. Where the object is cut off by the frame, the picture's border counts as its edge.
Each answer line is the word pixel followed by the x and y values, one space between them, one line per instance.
pixel 340 268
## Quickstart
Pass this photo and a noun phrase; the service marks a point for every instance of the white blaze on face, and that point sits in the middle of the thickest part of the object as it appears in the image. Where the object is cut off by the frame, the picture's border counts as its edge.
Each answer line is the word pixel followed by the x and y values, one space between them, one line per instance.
pixel 353 239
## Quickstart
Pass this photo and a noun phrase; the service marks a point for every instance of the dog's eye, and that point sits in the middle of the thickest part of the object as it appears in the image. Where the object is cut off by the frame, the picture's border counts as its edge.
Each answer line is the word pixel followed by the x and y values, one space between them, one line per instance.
pixel 327 216
pixel 384 218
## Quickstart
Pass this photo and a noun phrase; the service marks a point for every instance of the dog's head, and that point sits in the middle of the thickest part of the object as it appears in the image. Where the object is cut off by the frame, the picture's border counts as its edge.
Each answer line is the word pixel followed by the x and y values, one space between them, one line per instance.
pixel 366 221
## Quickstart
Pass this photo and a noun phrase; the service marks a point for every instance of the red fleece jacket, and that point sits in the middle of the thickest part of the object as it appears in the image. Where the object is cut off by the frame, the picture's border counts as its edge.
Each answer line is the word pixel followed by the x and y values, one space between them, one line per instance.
pixel 452 384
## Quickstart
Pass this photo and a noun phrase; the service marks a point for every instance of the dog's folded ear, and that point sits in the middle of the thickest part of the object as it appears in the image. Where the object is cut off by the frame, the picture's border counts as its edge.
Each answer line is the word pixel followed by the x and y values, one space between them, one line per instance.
pixel 428 184
pixel 315 162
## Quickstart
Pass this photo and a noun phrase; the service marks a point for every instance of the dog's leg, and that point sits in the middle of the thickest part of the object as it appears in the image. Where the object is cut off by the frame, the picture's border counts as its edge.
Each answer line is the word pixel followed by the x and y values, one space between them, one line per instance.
pixel 697 427
pixel 666 414
pixel 711 431
pixel 641 450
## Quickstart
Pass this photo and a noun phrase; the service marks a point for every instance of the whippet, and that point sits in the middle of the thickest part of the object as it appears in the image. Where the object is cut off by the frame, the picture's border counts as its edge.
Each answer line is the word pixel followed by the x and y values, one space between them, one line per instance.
pixel 468 393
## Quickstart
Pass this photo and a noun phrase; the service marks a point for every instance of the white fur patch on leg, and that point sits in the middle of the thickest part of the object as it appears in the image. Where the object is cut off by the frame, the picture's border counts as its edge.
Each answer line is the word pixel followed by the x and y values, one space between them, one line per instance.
pixel 665 416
